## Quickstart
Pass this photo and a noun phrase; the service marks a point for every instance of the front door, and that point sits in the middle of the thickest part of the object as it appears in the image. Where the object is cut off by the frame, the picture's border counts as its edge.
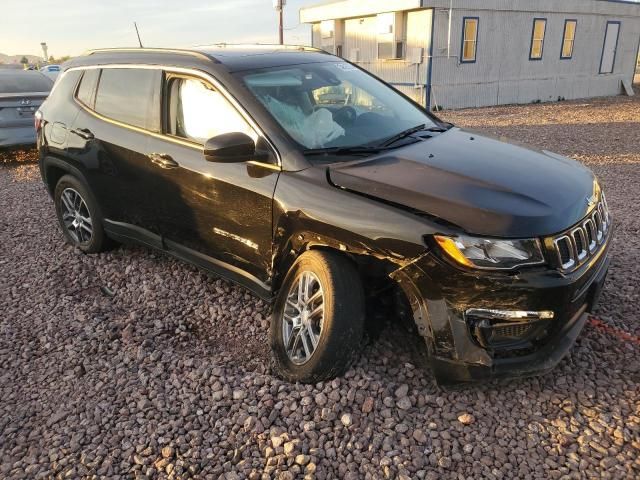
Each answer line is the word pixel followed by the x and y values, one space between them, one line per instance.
pixel 610 47
pixel 222 211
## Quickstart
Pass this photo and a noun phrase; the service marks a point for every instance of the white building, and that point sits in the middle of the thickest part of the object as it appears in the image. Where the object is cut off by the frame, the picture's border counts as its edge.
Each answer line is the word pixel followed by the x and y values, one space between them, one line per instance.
pixel 469 53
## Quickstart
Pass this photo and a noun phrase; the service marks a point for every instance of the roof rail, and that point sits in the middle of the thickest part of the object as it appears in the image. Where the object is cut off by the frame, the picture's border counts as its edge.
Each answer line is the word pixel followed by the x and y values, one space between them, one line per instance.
pixel 147 50
pixel 263 45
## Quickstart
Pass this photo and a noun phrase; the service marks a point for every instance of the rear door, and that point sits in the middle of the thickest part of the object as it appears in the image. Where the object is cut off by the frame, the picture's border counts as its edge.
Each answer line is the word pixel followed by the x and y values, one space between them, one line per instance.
pixel 610 47
pixel 21 94
pixel 110 137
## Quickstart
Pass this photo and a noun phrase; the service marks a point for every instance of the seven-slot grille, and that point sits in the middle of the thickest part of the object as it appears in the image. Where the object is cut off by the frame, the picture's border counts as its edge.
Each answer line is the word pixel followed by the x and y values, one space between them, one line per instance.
pixel 582 241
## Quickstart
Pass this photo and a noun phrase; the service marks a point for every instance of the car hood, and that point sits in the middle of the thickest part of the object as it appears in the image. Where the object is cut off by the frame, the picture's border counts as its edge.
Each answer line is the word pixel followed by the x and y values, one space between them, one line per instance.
pixel 482 185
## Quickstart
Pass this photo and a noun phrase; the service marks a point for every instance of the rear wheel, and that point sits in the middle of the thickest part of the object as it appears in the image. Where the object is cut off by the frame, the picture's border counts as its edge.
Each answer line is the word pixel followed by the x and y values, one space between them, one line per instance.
pixel 318 319
pixel 79 216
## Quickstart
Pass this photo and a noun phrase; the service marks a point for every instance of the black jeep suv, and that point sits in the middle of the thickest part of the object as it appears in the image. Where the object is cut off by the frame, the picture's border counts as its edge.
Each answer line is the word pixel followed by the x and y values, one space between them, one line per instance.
pixel 314 184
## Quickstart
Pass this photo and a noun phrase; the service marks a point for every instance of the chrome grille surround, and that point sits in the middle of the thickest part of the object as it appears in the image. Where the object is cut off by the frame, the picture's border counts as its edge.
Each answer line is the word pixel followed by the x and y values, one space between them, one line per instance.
pixel 575 246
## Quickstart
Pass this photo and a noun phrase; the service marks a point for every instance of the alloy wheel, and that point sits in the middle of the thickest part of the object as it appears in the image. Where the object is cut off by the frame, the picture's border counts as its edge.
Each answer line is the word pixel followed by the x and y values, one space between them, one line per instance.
pixel 76 216
pixel 303 318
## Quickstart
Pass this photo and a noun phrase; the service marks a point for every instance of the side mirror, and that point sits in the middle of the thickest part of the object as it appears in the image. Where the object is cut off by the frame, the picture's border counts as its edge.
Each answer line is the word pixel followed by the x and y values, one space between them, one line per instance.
pixel 230 148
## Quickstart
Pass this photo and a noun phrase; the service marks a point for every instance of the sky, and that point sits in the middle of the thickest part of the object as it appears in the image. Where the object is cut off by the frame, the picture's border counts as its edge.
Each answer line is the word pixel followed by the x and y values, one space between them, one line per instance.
pixel 72 26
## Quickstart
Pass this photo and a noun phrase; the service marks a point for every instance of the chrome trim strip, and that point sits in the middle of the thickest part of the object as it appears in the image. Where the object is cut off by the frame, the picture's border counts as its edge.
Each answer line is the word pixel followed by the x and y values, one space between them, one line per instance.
pixel 597 218
pixel 570 249
pixel 4 96
pixel 509 314
pixel 588 225
pixel 580 255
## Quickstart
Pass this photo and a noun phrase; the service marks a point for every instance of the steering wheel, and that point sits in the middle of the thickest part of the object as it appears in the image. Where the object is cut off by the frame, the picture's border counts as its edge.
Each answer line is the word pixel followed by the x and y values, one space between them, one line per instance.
pixel 346 116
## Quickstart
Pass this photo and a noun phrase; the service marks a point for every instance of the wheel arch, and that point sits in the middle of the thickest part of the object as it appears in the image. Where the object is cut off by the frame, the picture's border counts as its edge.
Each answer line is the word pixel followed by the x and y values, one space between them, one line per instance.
pixel 365 263
pixel 55 168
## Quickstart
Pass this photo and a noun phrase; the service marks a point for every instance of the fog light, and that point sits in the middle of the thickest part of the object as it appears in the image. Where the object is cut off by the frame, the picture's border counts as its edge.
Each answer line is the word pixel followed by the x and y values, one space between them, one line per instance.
pixel 507 329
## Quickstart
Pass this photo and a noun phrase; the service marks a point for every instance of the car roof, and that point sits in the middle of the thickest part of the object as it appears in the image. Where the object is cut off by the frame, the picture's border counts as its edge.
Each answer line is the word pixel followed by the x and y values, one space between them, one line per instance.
pixel 233 58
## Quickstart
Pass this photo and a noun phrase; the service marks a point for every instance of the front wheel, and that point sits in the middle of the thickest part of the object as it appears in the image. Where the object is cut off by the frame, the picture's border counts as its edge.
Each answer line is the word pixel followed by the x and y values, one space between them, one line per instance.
pixel 318 318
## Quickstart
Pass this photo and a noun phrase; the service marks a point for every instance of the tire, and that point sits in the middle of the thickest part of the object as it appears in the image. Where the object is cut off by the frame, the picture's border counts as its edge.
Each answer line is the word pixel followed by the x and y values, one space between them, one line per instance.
pixel 70 196
pixel 338 328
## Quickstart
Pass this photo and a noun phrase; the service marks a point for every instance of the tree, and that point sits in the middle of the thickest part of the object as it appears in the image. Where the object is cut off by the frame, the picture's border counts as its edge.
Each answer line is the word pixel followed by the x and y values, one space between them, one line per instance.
pixel 54 60
pixel 24 60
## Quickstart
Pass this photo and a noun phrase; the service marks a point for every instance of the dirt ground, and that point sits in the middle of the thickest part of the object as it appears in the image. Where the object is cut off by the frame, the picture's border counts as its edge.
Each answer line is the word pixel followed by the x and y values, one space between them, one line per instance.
pixel 130 364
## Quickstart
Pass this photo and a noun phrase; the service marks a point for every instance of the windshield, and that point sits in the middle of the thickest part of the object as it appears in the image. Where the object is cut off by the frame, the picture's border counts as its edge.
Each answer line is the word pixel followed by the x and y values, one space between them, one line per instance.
pixel 328 105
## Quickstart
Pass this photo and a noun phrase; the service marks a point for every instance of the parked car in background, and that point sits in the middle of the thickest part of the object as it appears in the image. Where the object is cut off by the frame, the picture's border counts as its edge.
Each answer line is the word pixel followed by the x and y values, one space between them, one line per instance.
pixel 321 188
pixel 21 94
pixel 51 71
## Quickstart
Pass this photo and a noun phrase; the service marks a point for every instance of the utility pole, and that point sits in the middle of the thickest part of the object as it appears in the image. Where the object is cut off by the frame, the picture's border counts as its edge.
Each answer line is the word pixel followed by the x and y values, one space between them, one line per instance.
pixel 279 6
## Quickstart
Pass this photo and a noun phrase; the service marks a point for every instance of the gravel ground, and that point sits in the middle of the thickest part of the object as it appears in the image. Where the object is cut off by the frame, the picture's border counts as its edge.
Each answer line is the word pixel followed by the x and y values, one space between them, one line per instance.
pixel 17 156
pixel 131 364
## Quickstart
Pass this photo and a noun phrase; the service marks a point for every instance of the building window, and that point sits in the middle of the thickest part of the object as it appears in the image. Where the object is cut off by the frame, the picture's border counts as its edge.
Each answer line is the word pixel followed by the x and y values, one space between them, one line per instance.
pixel 469 39
pixel 568 38
pixel 537 38
pixel 327 29
pixel 390 27
pixel 385 23
pixel 610 47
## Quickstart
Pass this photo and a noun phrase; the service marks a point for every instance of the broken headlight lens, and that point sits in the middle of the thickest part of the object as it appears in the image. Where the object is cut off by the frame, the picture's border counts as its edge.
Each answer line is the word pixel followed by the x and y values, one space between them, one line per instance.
pixel 490 253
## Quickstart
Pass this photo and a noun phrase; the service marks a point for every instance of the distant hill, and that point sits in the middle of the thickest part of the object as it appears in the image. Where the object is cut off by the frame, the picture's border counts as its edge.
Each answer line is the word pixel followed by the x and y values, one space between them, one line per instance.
pixel 16 58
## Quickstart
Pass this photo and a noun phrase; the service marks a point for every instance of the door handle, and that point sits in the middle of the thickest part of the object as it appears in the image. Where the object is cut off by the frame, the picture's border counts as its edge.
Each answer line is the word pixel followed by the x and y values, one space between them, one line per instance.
pixel 83 133
pixel 163 160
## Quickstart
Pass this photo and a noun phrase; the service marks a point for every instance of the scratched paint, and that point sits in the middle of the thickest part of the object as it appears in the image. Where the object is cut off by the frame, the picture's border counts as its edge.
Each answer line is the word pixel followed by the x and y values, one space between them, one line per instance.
pixel 244 241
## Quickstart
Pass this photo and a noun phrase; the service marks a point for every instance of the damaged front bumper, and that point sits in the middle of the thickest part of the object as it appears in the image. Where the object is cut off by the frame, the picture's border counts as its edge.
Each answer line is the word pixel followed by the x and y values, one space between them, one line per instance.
pixel 481 325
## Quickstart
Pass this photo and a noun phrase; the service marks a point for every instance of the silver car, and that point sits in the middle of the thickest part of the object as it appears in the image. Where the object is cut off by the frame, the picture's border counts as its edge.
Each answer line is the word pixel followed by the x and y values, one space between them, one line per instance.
pixel 21 93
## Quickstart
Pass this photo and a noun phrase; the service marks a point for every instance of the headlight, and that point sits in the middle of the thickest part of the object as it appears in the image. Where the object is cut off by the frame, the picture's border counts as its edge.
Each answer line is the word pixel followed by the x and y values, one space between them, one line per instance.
pixel 491 253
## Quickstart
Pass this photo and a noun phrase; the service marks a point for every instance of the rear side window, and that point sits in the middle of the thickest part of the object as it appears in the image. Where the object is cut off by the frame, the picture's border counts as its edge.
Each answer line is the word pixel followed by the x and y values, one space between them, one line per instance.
pixel 87 89
pixel 130 96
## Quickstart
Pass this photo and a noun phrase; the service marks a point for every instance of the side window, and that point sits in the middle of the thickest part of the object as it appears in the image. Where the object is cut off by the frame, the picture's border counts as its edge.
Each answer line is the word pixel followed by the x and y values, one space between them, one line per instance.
pixel 568 38
pixel 537 38
pixel 131 96
pixel 469 40
pixel 197 112
pixel 87 89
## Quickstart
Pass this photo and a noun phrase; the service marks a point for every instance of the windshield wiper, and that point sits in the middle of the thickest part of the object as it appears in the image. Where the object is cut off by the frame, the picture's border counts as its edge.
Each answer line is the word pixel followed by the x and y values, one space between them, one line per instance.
pixel 403 134
pixel 344 150
pixel 364 150
pixel 411 131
